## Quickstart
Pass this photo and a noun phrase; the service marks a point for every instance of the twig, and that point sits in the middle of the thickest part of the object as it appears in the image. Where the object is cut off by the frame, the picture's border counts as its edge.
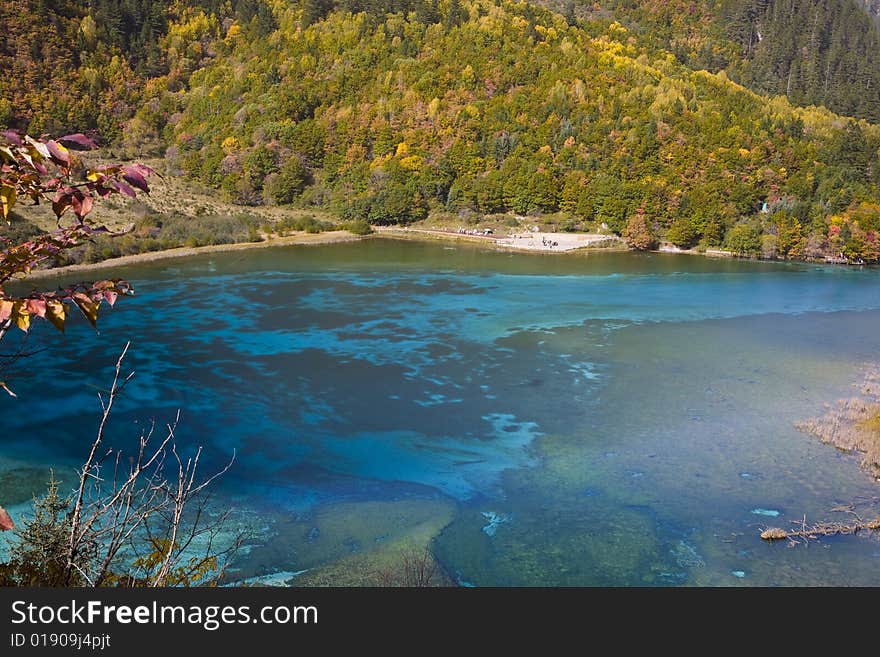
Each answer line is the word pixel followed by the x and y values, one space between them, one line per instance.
pixel 819 529
pixel 75 531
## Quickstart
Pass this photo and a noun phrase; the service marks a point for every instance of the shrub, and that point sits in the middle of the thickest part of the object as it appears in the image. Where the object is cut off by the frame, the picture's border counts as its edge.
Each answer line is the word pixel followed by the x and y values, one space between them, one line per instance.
pixel 158 232
pixel 682 233
pixel 744 239
pixel 308 224
pixel 38 556
pixel 357 226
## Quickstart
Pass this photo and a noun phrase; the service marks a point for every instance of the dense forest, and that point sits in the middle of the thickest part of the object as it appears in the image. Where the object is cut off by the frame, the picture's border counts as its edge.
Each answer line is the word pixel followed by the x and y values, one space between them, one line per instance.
pixel 816 53
pixel 393 109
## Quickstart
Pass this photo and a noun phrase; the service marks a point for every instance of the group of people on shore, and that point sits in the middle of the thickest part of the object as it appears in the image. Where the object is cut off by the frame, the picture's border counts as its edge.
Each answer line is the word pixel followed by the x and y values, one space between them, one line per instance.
pixel 484 232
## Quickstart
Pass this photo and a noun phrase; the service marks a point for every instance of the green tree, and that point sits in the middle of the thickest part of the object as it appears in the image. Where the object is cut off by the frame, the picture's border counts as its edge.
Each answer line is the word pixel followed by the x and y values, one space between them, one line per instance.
pixel 744 239
pixel 39 557
pixel 288 184
pixel 396 203
pixel 682 233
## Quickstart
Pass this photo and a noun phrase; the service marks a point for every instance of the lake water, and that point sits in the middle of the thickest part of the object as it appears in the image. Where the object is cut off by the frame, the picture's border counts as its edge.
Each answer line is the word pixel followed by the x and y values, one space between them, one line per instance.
pixel 601 419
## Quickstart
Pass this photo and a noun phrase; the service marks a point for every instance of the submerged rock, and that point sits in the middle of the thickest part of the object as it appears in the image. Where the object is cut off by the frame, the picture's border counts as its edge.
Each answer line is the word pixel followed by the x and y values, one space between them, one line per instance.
pixel 686 555
pixel 495 520
pixel 673 578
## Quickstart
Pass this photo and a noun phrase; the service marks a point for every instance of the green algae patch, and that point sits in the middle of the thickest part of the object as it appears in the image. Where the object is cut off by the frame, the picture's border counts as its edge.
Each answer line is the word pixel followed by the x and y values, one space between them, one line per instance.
pixel 596 547
pixel 369 543
pixel 582 518
pixel 22 484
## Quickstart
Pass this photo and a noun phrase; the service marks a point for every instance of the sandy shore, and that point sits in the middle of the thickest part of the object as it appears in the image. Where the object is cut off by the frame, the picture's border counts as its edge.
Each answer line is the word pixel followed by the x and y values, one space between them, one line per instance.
pixel 543 242
pixel 556 242
pixel 330 237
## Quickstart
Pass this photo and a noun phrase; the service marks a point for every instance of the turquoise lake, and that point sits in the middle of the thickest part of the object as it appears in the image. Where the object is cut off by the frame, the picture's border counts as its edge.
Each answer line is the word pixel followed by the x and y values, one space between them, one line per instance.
pixel 607 419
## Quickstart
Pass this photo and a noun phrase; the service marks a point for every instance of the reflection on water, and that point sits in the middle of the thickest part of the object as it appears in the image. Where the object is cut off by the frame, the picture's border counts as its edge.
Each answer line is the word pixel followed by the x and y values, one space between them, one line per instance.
pixel 610 419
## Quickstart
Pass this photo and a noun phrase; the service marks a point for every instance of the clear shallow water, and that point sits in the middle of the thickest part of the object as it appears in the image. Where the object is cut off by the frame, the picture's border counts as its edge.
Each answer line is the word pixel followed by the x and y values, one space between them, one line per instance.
pixel 610 419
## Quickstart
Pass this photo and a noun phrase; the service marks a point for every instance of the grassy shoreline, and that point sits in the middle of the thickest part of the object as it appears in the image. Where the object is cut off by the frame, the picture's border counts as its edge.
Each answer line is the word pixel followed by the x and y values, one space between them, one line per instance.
pixel 415 234
pixel 303 239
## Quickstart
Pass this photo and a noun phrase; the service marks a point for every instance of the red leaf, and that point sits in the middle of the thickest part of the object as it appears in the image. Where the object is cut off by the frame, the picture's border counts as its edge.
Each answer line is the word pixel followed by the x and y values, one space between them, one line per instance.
pixel 142 169
pixel 81 204
pixel 136 179
pixel 6 523
pixel 79 139
pixel 87 203
pixel 36 307
pixel 12 137
pixel 58 152
pixel 111 296
pixel 60 207
pixel 100 190
pixel 125 189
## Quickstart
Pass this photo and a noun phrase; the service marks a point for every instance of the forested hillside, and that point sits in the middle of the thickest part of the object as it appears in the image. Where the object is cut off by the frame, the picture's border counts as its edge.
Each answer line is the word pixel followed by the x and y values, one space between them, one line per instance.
pixel 820 52
pixel 391 109
pixel 83 64
pixel 817 52
pixel 507 108
pixel 56 75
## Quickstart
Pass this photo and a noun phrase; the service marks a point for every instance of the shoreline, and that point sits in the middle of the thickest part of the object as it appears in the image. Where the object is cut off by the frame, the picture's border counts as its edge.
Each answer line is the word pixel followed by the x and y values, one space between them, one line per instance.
pixel 552 243
pixel 584 242
pixel 301 239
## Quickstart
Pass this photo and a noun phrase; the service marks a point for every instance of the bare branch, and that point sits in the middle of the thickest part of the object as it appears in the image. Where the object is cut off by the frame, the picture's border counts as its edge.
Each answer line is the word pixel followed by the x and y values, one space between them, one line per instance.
pixel 118 510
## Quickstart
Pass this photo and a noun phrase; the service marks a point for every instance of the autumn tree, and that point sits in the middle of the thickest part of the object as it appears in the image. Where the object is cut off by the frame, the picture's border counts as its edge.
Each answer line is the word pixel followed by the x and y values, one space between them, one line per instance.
pixel 638 234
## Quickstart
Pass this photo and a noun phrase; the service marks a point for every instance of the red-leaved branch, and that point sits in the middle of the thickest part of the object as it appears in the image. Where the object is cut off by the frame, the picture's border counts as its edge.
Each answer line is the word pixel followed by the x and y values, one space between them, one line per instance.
pixel 47 171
